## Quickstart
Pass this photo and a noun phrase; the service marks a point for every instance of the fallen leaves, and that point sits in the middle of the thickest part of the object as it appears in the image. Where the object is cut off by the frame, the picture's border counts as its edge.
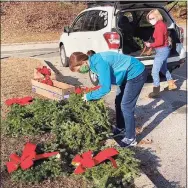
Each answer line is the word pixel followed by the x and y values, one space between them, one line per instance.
pixel 145 142
pixel 139 130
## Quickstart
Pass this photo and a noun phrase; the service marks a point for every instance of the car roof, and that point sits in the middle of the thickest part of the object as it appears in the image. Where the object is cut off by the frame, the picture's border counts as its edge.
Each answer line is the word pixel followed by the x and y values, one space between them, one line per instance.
pixel 127 3
pixel 106 8
pixel 110 8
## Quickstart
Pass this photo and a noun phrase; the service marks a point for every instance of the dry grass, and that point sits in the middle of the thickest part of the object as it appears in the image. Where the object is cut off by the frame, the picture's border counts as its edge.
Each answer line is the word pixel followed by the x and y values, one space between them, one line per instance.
pixel 16 74
pixel 42 21
pixel 24 37
pixel 36 21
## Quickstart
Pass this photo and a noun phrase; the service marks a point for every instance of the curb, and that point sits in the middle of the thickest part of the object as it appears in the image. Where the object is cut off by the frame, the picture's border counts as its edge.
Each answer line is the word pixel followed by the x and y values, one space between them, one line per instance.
pixel 29 46
pixel 41 42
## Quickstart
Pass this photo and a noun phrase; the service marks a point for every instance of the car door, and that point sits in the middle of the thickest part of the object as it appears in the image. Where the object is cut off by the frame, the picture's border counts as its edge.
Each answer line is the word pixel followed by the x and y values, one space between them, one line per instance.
pixel 96 25
pixel 74 40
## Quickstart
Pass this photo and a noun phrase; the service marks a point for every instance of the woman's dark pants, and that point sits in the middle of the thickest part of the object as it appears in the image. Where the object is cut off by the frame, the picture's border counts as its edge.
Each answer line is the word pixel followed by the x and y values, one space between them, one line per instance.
pixel 125 102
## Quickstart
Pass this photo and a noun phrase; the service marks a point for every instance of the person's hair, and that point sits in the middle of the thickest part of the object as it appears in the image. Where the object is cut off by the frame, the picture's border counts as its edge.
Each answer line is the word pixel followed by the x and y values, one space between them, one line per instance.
pixel 77 58
pixel 91 52
pixel 156 14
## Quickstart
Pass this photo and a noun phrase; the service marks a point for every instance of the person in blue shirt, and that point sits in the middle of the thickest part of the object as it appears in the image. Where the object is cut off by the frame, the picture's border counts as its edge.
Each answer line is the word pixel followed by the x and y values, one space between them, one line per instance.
pixel 128 73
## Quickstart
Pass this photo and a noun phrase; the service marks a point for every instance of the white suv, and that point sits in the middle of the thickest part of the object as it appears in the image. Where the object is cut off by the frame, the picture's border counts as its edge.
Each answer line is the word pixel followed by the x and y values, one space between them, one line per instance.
pixel 105 26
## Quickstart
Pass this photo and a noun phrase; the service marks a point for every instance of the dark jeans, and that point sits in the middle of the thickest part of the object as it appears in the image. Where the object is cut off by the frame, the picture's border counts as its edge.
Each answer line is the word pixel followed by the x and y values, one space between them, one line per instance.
pixel 125 102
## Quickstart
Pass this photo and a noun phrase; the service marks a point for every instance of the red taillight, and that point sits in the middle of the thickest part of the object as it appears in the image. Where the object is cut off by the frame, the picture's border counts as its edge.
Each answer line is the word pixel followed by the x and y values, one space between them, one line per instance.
pixel 112 39
pixel 181 34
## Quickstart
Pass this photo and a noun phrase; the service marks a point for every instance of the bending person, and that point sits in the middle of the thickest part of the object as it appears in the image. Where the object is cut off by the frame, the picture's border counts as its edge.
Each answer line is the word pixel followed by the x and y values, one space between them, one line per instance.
pixel 128 73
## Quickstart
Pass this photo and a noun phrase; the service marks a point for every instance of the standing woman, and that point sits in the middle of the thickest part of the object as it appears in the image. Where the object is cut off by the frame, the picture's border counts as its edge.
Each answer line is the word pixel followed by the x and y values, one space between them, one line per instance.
pixel 161 45
pixel 113 68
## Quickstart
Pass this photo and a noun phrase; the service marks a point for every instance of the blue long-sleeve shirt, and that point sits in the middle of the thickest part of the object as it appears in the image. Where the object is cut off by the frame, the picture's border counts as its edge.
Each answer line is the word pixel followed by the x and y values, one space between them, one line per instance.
pixel 112 68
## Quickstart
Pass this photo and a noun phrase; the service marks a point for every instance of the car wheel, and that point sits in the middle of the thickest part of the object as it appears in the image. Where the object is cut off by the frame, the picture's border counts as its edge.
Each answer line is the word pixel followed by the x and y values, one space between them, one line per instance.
pixel 64 59
pixel 94 78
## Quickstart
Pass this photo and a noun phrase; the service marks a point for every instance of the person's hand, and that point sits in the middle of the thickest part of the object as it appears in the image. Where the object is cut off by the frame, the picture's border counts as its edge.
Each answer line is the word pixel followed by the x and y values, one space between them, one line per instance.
pixel 84 98
pixel 148 44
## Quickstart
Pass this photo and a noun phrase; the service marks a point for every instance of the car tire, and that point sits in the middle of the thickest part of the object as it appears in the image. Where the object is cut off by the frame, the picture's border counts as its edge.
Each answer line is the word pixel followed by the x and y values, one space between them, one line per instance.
pixel 94 78
pixel 63 57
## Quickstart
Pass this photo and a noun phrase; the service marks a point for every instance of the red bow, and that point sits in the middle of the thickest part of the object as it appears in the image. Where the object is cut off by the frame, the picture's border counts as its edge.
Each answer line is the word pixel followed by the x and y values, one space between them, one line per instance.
pixel 27 158
pixel 47 81
pixel 44 70
pixel 86 160
pixel 21 101
pixel 81 90
pixel 47 73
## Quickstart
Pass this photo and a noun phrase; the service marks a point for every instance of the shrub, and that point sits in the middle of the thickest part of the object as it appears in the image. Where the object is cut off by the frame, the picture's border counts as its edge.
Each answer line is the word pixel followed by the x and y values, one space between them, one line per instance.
pixel 139 42
pixel 32 119
pixel 105 175
pixel 78 126
pixel 42 169
pixel 82 125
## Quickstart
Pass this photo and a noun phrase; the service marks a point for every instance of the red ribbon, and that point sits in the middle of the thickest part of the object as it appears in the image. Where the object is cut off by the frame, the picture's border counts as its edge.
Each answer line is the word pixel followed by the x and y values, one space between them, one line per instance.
pixel 86 160
pixel 26 160
pixel 81 90
pixel 47 81
pixel 44 70
pixel 47 73
pixel 21 101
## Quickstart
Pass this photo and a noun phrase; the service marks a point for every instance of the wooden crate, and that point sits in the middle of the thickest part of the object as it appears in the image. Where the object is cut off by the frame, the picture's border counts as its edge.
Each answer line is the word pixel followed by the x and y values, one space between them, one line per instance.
pixel 58 91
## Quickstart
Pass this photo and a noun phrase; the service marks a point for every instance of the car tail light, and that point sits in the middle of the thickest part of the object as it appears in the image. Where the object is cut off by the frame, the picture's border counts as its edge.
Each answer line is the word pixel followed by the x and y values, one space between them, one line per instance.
pixel 112 39
pixel 181 34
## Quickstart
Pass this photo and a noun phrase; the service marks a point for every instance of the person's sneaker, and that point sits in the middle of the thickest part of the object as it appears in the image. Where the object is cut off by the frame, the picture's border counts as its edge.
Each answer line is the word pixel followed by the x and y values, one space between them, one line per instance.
pixel 126 142
pixel 118 132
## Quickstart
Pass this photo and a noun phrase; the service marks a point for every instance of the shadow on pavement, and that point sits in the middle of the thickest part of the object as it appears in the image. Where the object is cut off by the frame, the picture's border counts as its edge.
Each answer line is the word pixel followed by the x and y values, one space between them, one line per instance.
pixel 163 110
pixel 177 103
pixel 149 162
pixel 149 165
pixel 178 74
pixel 61 78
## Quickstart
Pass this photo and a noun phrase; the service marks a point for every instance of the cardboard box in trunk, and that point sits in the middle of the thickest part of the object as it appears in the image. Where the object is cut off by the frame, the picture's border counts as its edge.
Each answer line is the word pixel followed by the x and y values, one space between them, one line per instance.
pixel 58 91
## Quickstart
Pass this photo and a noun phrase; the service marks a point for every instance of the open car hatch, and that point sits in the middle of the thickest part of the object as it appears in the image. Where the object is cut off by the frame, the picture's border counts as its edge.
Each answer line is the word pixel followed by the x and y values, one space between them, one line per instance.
pixel 123 5
pixel 139 4
pixel 130 4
